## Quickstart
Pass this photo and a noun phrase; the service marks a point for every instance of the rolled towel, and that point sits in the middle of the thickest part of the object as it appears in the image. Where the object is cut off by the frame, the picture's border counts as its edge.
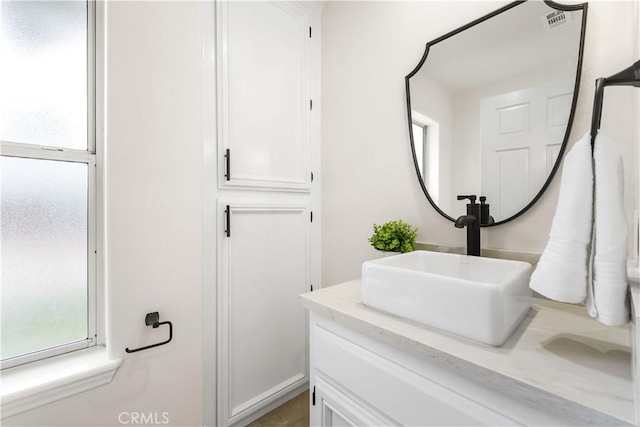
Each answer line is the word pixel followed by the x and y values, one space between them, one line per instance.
pixel 562 271
pixel 607 298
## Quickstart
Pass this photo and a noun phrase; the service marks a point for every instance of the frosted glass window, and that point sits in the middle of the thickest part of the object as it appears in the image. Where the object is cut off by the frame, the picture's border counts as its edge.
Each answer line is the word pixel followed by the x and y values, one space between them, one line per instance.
pixel 43 251
pixel 43 78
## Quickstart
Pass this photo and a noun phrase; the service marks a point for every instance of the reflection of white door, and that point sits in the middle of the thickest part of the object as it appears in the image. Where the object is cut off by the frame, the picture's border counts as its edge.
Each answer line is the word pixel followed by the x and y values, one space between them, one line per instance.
pixel 521 133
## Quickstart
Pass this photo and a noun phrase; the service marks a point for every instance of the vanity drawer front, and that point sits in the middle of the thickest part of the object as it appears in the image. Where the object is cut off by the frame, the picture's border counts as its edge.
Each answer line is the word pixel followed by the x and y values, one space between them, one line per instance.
pixel 402 395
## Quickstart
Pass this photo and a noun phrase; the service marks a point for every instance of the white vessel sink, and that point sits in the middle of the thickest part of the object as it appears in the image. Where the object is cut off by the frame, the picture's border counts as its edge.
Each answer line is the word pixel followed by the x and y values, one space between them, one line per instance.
pixel 483 299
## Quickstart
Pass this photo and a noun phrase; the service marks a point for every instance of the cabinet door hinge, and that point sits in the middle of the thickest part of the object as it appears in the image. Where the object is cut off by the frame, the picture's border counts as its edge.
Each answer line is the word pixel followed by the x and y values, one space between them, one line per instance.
pixel 227 158
pixel 313 396
pixel 227 214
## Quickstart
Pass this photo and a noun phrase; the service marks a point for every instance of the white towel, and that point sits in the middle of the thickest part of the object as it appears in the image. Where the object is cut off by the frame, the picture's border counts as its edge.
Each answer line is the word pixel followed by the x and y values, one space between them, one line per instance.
pixel 562 271
pixel 607 298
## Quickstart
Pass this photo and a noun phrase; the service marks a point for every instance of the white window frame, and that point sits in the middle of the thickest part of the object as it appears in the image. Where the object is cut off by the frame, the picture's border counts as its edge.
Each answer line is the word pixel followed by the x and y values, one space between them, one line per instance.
pixel 93 158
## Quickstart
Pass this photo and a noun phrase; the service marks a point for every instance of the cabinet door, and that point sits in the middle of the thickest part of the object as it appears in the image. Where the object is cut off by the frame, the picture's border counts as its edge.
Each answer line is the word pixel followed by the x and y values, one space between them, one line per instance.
pixel 330 416
pixel 333 408
pixel 262 326
pixel 263 95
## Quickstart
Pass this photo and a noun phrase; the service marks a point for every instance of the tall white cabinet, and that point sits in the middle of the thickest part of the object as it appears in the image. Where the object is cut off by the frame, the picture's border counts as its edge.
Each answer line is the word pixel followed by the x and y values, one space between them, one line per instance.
pixel 268 246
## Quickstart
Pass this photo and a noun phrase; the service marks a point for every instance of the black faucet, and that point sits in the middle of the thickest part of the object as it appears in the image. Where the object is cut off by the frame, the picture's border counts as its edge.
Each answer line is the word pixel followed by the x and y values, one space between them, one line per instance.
pixel 472 221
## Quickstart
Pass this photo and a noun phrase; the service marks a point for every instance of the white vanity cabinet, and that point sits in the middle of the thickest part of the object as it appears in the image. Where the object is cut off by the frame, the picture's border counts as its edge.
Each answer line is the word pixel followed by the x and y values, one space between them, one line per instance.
pixel 267 124
pixel 357 380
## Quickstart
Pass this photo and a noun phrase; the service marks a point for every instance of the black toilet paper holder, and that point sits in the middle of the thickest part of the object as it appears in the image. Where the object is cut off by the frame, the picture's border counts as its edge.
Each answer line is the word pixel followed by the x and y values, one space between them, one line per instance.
pixel 153 320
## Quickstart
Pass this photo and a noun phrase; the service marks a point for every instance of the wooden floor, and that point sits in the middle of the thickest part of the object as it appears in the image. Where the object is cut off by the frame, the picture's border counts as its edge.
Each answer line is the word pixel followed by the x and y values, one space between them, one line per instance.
pixel 294 413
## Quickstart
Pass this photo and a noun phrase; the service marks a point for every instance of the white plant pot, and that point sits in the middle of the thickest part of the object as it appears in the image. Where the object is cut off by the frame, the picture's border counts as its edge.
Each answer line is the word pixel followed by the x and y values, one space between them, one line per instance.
pixel 384 254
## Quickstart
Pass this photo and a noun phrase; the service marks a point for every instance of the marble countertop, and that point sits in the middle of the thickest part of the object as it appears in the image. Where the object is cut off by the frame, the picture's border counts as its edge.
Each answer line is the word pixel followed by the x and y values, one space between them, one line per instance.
pixel 559 360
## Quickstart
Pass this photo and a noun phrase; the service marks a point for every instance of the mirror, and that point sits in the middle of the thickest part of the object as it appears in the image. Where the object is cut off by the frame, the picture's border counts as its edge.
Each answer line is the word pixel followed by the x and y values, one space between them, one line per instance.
pixel 490 107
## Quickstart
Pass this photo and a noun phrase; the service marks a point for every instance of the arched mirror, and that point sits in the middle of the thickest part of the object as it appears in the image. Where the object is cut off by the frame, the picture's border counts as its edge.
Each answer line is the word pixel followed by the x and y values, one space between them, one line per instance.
pixel 490 106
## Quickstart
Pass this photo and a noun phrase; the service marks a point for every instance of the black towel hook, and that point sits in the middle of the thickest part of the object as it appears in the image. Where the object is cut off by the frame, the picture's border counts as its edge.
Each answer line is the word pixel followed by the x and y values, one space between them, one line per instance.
pixel 630 76
pixel 153 320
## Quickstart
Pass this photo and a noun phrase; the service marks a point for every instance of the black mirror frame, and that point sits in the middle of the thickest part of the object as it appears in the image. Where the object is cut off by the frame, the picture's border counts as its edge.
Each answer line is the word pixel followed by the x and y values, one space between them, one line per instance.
pixel 554 5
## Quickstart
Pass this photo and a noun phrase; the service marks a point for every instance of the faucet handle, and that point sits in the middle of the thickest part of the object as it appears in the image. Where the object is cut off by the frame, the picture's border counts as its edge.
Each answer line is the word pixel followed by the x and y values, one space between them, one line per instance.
pixel 483 199
pixel 472 198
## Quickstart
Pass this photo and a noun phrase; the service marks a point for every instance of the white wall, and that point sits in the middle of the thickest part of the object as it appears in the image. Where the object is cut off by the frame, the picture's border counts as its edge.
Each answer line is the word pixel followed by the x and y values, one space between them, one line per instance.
pixel 154 192
pixel 368 176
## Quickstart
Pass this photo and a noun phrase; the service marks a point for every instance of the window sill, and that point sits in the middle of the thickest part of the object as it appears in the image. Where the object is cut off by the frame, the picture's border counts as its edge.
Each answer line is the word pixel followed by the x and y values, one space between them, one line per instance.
pixel 36 384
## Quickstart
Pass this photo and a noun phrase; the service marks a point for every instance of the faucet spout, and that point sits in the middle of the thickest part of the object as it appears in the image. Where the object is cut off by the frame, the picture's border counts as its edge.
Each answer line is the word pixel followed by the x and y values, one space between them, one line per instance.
pixel 464 220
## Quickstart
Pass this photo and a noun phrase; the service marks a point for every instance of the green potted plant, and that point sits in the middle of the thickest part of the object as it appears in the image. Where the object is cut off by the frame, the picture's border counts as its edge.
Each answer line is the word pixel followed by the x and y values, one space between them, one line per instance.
pixel 394 236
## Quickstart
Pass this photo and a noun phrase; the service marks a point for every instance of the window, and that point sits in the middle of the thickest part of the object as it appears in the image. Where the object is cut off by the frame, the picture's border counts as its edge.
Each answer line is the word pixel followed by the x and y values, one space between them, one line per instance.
pixel 419 144
pixel 426 142
pixel 47 179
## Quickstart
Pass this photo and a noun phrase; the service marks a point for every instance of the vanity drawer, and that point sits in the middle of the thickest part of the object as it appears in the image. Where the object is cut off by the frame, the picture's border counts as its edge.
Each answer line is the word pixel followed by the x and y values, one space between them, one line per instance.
pixel 402 395
pixel 405 390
